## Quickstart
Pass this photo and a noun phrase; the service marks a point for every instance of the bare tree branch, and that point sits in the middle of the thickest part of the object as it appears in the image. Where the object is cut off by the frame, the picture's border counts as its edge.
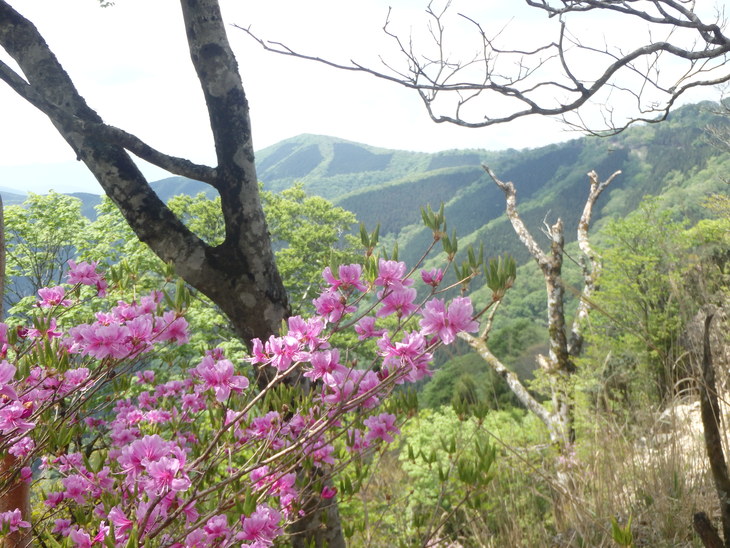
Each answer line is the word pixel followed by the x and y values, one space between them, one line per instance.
pixel 558 365
pixel 591 263
pixel 111 134
pixel 553 79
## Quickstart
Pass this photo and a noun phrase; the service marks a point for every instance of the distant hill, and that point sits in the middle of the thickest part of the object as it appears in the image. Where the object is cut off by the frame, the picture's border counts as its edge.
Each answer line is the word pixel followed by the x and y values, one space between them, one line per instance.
pixel 673 159
pixel 12 196
pixel 332 167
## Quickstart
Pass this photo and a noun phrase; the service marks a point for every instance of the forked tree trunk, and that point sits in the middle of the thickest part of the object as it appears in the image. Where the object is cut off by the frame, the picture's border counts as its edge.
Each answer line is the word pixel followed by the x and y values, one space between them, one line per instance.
pixel 239 275
pixel 563 347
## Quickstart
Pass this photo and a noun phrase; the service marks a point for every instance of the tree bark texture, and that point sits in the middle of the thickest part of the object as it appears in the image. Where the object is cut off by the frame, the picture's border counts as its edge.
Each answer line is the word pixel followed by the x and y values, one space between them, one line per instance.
pixel 710 413
pixel 706 531
pixel 239 275
pixel 558 364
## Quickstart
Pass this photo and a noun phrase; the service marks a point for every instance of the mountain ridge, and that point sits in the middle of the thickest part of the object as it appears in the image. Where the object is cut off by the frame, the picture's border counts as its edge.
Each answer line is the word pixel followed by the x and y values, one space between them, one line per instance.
pixel 672 159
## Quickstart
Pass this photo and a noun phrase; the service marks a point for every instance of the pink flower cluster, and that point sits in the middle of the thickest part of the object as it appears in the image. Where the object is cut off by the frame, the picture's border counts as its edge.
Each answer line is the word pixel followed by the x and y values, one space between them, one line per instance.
pixel 173 455
pixel 127 331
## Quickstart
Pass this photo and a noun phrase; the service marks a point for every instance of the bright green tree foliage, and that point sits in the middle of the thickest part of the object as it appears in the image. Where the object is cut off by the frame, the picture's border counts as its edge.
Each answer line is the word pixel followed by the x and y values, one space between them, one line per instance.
pixel 41 235
pixel 639 306
pixel 308 233
pixel 657 274
pixel 46 231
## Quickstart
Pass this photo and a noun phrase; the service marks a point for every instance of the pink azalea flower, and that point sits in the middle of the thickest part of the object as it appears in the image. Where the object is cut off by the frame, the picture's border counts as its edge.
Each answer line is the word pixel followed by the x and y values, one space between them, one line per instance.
pixel 101 341
pixel 398 300
pixel 12 418
pixel 85 273
pixel 332 306
pixel 391 273
pixel 22 448
pixel 410 353
pixel 307 331
pixel 324 362
pixel 62 526
pixel 367 383
pixel 219 376
pixel 76 488
pixel 328 492
pixel 73 378
pixel 349 278
pixel 147 376
pixel 172 328
pixel 437 319
pixel 54 499
pixel 262 526
pixel 7 375
pixel 320 452
pixel 197 539
pixel 338 387
pixel 267 427
pixel 365 328
pixel 356 442
pixel 284 351
pixel 80 538
pixel 217 527
pixel 138 454
pixel 26 474
pixel 13 519
pixel 52 296
pixel 432 277
pixel 380 427
pixel 164 476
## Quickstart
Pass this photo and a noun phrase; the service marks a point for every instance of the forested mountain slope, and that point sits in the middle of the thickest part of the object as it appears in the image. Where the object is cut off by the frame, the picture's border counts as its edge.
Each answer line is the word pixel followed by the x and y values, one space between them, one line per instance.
pixel 674 159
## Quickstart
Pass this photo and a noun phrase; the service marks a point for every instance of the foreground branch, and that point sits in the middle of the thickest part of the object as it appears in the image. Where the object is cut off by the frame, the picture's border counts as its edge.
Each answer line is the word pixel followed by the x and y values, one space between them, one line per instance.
pixel 553 78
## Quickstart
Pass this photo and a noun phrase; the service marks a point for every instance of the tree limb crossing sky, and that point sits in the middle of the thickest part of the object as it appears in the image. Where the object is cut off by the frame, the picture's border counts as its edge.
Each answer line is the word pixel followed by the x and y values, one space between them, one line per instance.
pixel 131 63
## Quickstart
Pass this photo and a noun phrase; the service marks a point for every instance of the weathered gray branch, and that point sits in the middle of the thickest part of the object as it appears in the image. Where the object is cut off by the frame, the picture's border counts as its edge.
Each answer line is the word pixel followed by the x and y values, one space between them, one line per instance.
pixel 559 362
pixel 590 261
pixel 548 80
pixel 514 383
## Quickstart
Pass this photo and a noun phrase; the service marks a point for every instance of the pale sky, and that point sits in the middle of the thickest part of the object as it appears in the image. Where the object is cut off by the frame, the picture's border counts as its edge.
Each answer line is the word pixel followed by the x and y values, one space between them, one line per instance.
pixel 132 65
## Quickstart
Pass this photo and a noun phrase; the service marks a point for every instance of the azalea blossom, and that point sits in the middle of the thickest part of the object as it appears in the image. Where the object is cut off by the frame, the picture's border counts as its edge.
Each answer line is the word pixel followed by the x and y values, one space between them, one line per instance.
pixel 261 526
pixel 365 328
pixel 219 376
pixel 13 519
pixel 391 274
pixel 432 277
pixel 349 278
pixel 52 296
pixel 85 273
pixel 399 301
pixel 447 322
pixel 380 427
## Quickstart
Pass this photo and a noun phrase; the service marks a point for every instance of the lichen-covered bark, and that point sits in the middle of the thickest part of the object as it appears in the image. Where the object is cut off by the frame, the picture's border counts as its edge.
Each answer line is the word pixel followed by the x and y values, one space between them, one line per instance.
pixel 558 364
pixel 239 275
